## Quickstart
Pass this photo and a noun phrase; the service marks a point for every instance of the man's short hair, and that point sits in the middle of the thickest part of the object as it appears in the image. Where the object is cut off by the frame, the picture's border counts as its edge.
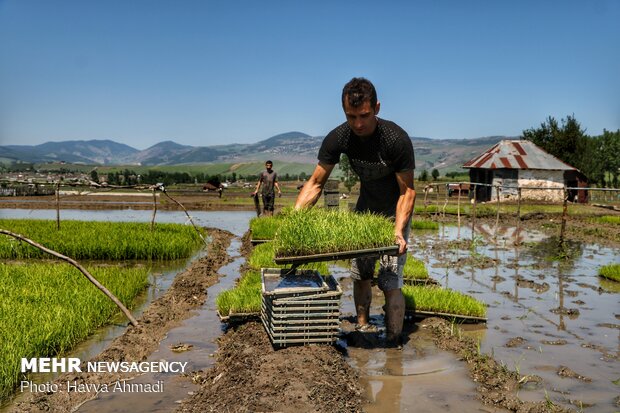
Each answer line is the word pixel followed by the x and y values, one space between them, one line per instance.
pixel 359 90
pixel 269 162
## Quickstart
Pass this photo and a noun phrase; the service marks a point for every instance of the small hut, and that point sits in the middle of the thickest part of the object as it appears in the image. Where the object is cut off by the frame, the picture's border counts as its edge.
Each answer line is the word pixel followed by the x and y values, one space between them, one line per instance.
pixel 520 163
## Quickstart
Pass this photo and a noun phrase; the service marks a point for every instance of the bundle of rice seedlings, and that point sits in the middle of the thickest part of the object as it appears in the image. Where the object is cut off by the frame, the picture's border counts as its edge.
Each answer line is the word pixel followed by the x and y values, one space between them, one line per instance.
pixel 439 300
pixel 611 271
pixel 318 230
pixel 264 228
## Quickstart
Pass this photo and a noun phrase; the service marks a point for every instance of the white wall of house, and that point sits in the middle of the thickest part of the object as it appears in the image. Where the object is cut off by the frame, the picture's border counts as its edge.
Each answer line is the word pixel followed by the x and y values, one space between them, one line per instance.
pixel 542 179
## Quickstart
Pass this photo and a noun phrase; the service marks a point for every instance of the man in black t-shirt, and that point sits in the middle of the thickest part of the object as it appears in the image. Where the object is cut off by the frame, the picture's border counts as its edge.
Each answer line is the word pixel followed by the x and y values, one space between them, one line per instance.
pixel 269 181
pixel 381 153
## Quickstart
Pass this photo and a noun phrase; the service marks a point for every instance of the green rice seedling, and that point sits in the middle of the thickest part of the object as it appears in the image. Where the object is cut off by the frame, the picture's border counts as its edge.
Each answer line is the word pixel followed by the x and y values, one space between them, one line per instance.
pixel 414 269
pixel 441 300
pixel 608 219
pixel 100 240
pixel 246 298
pixel 47 308
pixel 611 271
pixel 263 256
pixel 319 230
pixel 264 228
pixel 424 224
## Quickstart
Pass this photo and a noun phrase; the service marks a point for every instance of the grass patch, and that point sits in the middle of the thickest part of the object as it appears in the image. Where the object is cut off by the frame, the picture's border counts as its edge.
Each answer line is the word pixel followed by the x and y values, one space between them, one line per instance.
pixel 100 240
pixel 47 308
pixel 424 224
pixel 318 230
pixel 441 300
pixel 611 272
pixel 608 219
pixel 265 227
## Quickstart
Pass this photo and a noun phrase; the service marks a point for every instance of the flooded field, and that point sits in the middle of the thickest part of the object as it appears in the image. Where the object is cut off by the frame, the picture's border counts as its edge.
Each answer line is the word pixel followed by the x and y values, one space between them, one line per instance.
pixel 550 317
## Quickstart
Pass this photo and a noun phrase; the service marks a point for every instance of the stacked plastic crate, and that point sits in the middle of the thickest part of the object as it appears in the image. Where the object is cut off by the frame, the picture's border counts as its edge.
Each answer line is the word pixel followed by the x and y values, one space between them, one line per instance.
pixel 300 306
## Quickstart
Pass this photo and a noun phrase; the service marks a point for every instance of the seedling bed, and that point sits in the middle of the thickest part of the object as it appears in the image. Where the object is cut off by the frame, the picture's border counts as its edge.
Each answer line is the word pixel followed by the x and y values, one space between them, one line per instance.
pixel 338 255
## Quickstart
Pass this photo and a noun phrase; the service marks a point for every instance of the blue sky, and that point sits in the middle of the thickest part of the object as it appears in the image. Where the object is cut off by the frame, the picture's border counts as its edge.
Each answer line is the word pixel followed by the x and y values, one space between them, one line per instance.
pixel 217 72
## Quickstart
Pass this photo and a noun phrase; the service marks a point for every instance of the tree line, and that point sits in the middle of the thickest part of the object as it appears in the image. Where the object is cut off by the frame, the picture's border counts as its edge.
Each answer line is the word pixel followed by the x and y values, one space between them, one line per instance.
pixel 597 157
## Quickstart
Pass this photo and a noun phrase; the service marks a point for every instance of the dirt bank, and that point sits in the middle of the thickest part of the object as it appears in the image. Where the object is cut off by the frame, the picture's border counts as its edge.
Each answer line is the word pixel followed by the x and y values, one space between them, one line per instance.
pixel 187 292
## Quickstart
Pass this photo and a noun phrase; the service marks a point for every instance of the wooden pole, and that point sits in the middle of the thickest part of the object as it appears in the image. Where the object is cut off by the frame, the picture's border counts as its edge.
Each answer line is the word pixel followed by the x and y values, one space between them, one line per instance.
pixel 445 204
pixel 437 201
pixel 154 210
pixel 188 216
pixel 518 232
pixel 58 205
pixel 497 190
pixel 564 216
pixel 458 213
pixel 71 261
pixel 425 198
pixel 473 216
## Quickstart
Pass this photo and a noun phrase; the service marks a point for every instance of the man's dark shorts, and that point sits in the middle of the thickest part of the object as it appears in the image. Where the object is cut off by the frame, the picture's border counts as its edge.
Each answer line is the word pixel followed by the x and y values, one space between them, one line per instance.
pixel 268 200
pixel 390 276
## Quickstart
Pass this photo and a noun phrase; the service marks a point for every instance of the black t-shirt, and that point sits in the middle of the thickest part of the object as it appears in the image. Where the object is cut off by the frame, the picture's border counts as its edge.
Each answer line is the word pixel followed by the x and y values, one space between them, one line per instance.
pixel 375 159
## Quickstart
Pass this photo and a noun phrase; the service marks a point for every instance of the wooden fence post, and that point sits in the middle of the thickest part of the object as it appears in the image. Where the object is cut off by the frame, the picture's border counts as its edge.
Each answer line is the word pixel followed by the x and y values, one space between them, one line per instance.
pixel 564 216
pixel 58 205
pixel 458 213
pixel 473 216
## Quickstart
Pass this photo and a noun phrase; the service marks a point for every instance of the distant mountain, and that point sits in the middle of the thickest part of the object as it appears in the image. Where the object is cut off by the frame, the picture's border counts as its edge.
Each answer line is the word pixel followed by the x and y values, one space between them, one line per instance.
pixel 443 154
pixel 94 151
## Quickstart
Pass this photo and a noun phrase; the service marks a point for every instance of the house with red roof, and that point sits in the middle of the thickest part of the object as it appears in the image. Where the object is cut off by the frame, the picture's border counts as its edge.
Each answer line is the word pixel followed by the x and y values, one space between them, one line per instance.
pixel 511 164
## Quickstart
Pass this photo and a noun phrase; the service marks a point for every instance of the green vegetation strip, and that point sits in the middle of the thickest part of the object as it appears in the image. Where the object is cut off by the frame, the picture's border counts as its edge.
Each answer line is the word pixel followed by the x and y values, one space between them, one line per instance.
pixel 608 219
pixel 424 224
pixel 611 271
pixel 47 308
pixel 244 298
pixel 264 228
pixel 100 240
pixel 439 300
pixel 319 231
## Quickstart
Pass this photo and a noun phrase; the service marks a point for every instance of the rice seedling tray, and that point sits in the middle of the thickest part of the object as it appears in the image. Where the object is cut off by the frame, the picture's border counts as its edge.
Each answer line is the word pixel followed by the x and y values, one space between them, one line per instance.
pixel 234 318
pixel 458 317
pixel 259 241
pixel 338 255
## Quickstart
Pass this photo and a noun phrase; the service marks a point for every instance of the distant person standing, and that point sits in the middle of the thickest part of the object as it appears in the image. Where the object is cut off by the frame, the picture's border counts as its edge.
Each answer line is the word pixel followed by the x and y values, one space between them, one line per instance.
pixel 268 179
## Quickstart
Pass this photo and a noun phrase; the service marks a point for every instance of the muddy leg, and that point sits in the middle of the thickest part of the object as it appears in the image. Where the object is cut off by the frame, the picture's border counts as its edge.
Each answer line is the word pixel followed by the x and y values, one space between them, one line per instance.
pixel 362 295
pixel 395 314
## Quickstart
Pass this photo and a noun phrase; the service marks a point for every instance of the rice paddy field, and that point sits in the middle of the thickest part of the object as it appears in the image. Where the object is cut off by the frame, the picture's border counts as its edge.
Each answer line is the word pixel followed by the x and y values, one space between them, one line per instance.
pixel 552 316
pixel 48 307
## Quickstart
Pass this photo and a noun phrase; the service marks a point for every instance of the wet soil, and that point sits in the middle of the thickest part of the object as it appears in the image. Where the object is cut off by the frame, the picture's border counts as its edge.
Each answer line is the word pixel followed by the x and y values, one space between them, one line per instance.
pixel 187 292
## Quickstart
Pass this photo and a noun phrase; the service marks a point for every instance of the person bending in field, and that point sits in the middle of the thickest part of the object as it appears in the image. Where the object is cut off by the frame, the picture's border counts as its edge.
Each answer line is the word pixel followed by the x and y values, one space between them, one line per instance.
pixel 381 153
pixel 268 179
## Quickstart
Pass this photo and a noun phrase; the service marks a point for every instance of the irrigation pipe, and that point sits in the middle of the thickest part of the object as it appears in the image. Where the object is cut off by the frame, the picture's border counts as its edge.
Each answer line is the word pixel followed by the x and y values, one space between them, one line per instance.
pixel 71 261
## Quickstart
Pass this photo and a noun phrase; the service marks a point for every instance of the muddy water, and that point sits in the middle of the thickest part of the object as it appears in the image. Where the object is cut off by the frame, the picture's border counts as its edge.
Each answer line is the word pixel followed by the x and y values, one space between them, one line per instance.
pixel 419 377
pixel 548 309
pixel 200 331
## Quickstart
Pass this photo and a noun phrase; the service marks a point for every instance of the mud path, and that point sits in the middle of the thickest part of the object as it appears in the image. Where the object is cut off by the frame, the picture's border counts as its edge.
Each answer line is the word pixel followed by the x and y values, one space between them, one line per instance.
pixel 187 292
